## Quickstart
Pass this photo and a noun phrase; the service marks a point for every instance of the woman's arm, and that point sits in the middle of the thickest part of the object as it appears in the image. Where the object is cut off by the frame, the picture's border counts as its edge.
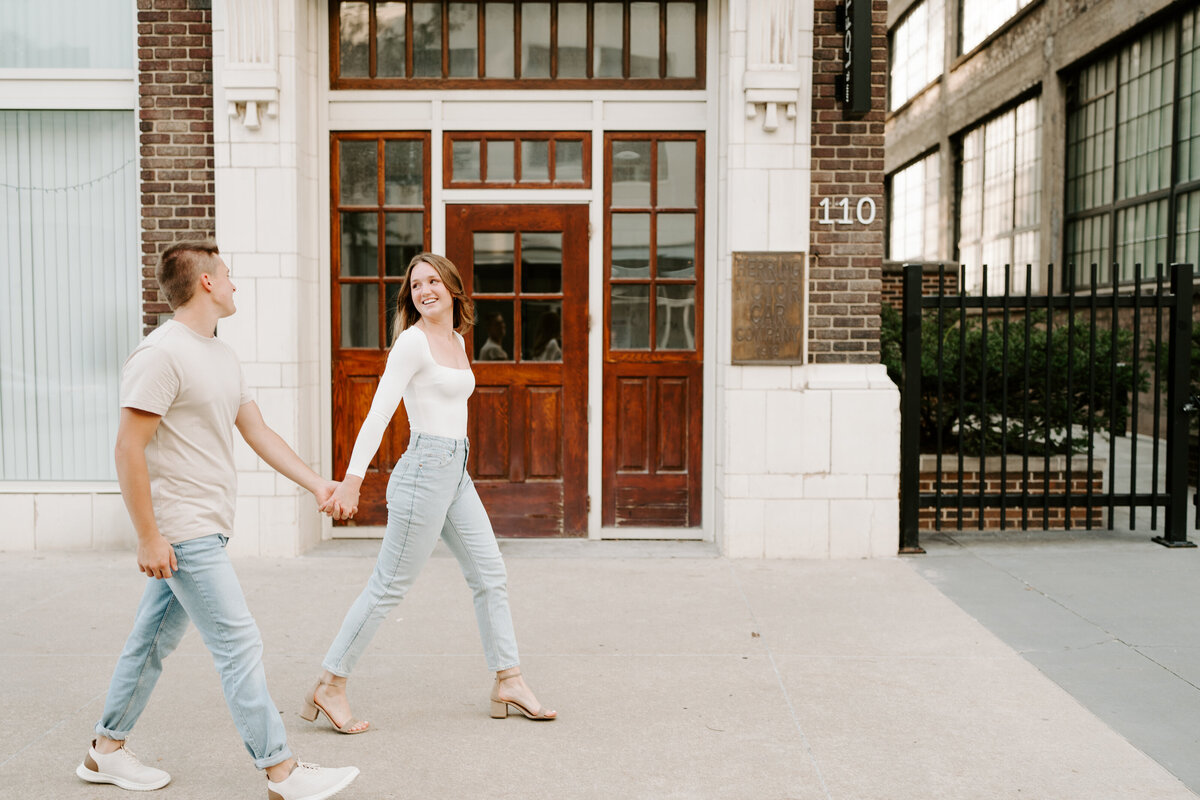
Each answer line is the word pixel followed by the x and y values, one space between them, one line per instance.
pixel 403 362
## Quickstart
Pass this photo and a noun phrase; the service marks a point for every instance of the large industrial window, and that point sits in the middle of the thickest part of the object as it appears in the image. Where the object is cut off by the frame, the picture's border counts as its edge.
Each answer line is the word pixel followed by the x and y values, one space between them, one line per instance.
pixel 1124 205
pixel 917 51
pixel 558 44
pixel 980 18
pixel 913 211
pixel 1000 194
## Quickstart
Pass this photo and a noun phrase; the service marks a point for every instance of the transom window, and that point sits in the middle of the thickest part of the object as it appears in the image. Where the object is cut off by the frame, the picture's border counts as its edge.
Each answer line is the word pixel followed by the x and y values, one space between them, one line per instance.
pixel 377 44
pixel 1125 202
pixel 529 160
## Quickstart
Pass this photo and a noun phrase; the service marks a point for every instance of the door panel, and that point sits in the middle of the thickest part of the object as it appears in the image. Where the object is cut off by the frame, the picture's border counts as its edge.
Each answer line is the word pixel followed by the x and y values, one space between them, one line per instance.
pixel 526 269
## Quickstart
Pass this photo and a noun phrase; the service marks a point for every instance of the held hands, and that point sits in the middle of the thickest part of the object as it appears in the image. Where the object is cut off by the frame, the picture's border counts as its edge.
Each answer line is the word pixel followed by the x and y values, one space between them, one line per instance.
pixel 343 502
pixel 156 558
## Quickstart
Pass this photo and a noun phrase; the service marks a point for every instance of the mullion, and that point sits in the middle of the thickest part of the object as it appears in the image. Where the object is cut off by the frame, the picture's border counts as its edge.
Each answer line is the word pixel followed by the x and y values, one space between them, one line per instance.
pixel 662 39
pixel 409 63
pixel 381 242
pixel 553 43
pixel 590 39
pixel 517 13
pixel 626 13
pixel 445 39
pixel 480 52
pixel 372 50
pixel 518 247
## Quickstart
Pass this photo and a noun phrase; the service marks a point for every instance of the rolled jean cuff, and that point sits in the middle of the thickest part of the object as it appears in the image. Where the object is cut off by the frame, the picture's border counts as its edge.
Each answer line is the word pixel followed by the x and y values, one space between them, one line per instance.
pixel 116 736
pixel 340 673
pixel 271 760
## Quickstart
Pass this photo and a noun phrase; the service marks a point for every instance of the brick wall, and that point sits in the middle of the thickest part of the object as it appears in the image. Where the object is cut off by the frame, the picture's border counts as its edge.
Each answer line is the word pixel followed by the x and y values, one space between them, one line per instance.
pixel 892 291
pixel 847 162
pixel 176 133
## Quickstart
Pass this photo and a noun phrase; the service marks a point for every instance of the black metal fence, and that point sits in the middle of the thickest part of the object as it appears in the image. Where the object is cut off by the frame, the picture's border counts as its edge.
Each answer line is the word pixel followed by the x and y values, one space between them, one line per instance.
pixel 1035 383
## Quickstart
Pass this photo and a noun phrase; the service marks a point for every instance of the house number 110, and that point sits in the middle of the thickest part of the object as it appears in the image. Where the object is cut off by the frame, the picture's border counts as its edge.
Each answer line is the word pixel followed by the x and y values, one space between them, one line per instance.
pixel 864 211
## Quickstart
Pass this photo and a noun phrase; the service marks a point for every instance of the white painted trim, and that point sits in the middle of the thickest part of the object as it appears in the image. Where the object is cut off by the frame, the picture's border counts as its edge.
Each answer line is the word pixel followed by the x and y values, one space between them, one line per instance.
pixel 511 197
pixel 324 259
pixel 689 534
pixel 374 96
pixel 59 487
pixel 84 95
pixel 21 74
pixel 712 272
pixel 356 532
pixel 595 374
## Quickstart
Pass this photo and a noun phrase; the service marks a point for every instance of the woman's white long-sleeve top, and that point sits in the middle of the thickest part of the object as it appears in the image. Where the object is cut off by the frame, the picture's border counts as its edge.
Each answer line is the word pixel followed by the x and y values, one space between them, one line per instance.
pixel 435 397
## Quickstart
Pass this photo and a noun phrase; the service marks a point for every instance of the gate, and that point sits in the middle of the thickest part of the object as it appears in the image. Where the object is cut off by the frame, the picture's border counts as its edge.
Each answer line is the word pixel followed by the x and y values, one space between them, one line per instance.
pixel 1035 384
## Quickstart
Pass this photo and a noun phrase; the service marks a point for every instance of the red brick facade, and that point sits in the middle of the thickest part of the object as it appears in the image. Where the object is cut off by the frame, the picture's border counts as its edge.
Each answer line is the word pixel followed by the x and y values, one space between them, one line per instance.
pixel 174 46
pixel 847 162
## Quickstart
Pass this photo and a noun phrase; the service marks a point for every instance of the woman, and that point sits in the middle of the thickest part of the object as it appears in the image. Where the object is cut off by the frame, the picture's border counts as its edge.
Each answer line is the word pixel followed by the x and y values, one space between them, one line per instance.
pixel 429 495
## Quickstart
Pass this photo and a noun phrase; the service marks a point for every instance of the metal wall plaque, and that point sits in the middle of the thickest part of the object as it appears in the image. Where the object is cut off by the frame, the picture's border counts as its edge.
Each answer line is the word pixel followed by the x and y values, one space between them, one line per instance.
pixel 770 308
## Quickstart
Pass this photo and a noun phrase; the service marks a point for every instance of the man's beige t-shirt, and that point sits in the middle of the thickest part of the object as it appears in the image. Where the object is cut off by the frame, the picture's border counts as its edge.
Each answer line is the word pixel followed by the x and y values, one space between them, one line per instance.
pixel 195 384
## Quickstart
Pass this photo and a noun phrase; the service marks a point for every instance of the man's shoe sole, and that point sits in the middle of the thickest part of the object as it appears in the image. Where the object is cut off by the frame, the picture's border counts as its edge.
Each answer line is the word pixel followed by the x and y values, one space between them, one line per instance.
pixel 99 777
pixel 330 792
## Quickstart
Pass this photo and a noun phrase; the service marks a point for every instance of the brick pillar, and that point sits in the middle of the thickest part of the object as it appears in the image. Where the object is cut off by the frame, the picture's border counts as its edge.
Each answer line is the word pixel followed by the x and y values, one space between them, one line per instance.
pixel 847 162
pixel 176 123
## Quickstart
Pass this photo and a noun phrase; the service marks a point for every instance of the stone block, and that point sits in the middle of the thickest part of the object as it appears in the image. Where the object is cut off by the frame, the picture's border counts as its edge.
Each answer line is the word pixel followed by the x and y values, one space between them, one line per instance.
pixel 111 527
pixel 796 529
pixel 63 521
pixel 18 513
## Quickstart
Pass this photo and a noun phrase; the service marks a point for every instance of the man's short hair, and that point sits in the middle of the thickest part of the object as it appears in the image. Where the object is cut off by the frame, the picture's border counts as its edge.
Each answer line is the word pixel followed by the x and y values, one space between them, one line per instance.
pixel 180 265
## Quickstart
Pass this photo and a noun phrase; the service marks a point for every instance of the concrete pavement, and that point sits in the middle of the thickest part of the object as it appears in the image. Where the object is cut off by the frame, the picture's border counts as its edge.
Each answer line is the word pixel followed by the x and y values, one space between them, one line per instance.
pixel 677 674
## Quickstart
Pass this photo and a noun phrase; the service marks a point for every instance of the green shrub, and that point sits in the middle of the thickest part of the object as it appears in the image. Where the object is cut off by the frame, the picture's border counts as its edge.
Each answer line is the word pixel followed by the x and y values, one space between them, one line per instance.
pixel 969 365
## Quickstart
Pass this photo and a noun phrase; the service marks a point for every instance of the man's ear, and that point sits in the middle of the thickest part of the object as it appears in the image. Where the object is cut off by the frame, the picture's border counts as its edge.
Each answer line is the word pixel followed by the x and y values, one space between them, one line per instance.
pixel 206 281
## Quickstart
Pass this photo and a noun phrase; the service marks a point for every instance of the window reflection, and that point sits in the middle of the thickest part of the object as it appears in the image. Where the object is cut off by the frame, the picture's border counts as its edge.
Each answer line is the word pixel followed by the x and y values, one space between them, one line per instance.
pixel 541 330
pixel 631 245
pixel 389 40
pixel 494 258
pixel 354 26
pixel 465 155
pixel 630 328
pixel 360 315
pixel 427 40
pixel 535 40
pixel 541 262
pixel 676 317
pixel 360 243
pixel 358 174
pixel 464 40
pixel 493 330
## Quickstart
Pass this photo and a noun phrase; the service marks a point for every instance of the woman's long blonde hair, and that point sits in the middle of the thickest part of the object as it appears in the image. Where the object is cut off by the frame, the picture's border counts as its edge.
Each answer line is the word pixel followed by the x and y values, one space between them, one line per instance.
pixel 406 311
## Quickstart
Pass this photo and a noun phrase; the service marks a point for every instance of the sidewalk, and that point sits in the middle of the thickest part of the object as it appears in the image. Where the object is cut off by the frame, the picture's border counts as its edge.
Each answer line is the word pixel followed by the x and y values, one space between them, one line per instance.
pixel 677 674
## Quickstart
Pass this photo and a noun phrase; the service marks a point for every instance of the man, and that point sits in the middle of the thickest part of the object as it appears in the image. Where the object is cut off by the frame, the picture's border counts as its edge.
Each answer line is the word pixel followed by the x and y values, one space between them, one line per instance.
pixel 182 392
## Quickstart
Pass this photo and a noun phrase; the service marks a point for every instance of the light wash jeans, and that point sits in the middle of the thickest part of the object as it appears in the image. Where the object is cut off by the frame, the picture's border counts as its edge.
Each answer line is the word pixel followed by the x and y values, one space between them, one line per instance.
pixel 429 495
pixel 205 590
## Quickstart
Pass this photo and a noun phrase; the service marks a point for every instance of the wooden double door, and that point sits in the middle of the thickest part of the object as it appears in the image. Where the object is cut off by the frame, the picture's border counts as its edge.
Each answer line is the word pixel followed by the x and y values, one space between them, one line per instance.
pixel 526 269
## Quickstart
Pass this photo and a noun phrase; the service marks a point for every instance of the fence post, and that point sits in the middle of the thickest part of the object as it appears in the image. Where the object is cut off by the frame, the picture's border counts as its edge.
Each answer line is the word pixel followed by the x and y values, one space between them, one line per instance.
pixel 1178 358
pixel 910 411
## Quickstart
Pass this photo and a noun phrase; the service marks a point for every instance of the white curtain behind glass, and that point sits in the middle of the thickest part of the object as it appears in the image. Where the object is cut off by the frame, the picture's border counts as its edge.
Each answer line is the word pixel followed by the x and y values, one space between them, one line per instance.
pixel 66 34
pixel 69 289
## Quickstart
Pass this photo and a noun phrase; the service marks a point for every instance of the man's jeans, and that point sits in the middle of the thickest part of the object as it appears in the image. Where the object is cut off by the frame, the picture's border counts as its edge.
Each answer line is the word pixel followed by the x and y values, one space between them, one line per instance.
pixel 205 590
pixel 430 495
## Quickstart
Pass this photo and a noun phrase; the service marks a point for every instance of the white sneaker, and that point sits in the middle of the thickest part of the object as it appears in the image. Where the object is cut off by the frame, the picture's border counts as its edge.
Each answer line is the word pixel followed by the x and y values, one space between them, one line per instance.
pixel 310 782
pixel 121 768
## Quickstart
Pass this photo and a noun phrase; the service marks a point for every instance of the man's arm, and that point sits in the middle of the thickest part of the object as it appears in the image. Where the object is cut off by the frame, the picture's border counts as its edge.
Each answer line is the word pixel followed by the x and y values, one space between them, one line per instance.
pixel 155 556
pixel 272 449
